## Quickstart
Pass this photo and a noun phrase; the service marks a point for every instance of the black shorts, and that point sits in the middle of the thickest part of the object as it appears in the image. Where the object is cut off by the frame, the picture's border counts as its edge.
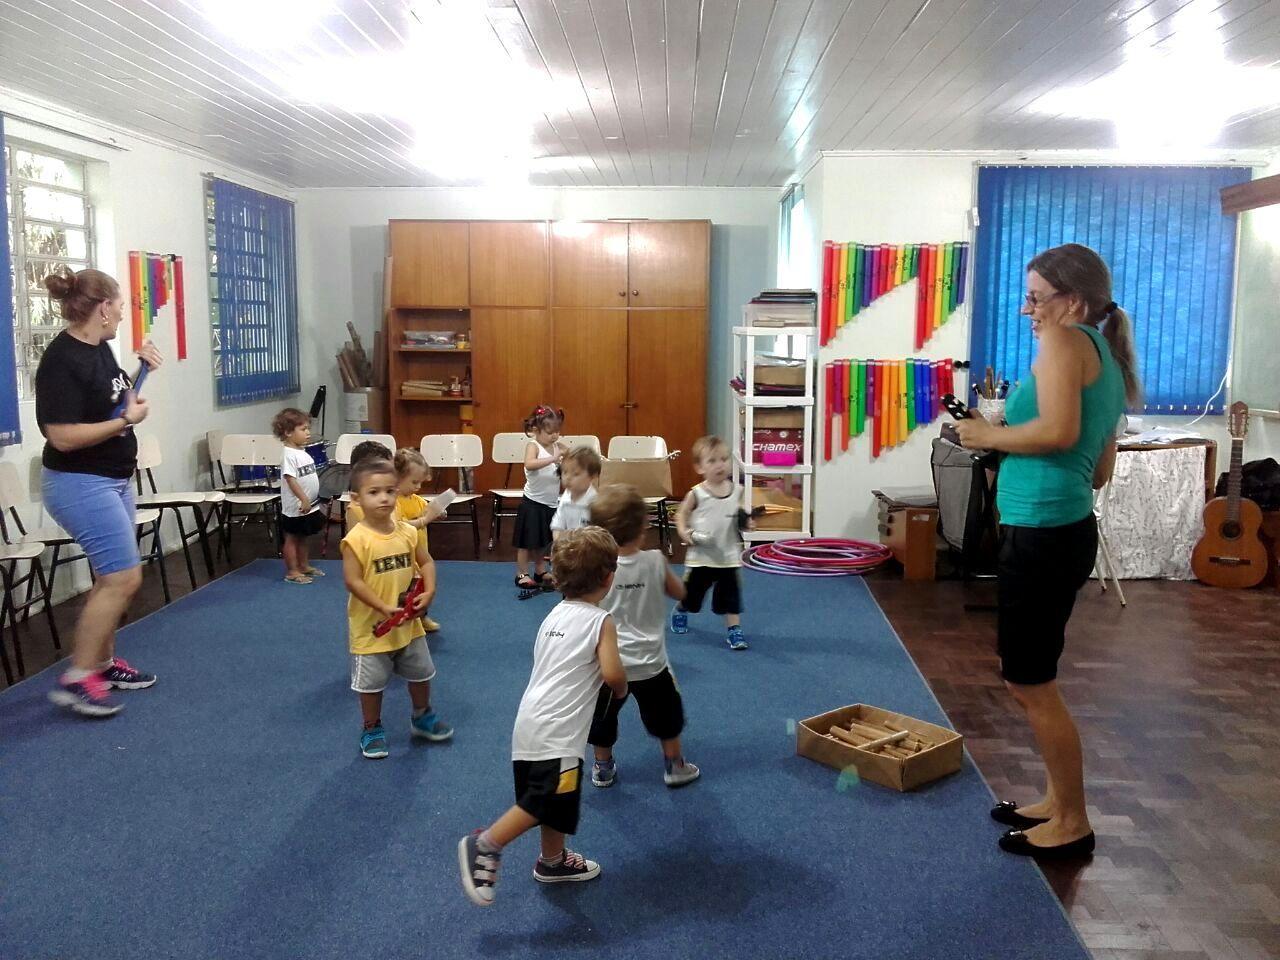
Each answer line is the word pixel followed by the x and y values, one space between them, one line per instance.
pixel 533 525
pixel 1041 570
pixel 305 526
pixel 661 710
pixel 725 586
pixel 548 794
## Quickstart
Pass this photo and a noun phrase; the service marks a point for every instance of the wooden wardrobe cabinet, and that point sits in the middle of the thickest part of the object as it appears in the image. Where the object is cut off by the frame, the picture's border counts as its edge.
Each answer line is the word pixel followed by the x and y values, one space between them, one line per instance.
pixel 606 318
pixel 430 263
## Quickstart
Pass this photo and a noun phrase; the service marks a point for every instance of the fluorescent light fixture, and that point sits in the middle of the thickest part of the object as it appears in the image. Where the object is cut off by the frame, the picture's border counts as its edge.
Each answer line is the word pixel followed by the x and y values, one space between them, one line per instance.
pixel 470 107
pixel 266 24
pixel 1180 94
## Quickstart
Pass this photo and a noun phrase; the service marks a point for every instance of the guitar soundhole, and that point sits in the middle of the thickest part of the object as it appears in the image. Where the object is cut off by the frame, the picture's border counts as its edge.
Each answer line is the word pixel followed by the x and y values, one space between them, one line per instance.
pixel 1231 530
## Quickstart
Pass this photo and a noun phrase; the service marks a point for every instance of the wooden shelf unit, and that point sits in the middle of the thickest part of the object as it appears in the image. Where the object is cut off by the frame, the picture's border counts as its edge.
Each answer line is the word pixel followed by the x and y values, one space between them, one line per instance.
pixel 607 319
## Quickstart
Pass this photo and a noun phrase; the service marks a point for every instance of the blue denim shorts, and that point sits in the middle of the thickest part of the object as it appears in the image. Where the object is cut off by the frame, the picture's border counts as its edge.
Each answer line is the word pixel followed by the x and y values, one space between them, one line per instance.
pixel 98 512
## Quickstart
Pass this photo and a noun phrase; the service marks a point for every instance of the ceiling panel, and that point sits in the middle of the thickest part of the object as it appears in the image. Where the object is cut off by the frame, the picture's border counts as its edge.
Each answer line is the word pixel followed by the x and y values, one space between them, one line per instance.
pixel 637 92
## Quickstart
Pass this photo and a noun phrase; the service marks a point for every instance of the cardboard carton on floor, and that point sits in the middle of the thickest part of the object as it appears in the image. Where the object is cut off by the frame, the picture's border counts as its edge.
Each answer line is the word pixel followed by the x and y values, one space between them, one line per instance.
pixel 651 476
pixel 901 773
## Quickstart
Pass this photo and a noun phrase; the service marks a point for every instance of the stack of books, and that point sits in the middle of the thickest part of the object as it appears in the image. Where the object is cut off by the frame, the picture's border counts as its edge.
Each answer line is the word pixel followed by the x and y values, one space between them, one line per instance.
pixel 786 296
pixel 781 308
pixel 423 388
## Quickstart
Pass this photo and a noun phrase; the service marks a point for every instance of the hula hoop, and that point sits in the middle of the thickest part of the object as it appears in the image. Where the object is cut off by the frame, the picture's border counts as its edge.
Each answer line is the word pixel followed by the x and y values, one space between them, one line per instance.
pixel 816 557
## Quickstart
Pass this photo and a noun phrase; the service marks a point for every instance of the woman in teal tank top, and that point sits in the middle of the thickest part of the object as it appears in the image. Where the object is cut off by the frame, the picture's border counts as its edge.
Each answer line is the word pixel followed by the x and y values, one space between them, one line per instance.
pixel 1060 446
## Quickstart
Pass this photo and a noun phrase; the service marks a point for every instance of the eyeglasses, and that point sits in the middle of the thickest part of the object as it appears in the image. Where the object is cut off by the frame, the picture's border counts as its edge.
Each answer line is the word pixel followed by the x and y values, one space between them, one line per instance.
pixel 1032 301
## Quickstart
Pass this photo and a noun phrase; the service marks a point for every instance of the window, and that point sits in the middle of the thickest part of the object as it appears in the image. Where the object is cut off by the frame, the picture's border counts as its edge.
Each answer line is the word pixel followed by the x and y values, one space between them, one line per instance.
pixel 793 246
pixel 253 293
pixel 1171 254
pixel 50 226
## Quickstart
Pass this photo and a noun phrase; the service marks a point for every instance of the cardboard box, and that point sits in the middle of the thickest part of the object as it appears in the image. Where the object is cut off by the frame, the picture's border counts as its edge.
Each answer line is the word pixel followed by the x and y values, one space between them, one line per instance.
pixel 943 757
pixel 768 438
pixel 790 520
pixel 780 371
pixel 651 476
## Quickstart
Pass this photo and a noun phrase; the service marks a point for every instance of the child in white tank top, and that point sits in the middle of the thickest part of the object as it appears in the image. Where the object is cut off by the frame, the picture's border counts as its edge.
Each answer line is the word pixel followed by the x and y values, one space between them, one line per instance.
pixel 576 649
pixel 709 523
pixel 637 602
pixel 542 456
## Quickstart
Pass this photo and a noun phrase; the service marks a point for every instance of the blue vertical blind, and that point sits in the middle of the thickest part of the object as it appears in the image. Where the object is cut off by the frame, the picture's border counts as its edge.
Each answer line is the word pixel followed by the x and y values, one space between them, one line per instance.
pixel 1170 250
pixel 10 427
pixel 253 291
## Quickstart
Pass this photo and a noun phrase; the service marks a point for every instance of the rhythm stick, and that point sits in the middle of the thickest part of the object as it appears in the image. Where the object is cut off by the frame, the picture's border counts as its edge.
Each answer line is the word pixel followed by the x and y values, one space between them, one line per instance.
pixel 824 304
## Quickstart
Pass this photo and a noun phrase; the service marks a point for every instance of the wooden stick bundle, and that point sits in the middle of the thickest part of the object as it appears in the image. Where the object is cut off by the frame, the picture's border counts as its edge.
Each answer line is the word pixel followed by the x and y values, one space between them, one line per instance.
pixel 862 741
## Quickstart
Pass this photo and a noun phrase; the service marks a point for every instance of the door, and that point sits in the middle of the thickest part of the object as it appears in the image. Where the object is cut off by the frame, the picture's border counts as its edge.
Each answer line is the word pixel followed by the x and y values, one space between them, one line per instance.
pixel 588 264
pixel 669 263
pixel 667 382
pixel 510 264
pixel 590 371
pixel 510 374
pixel 429 263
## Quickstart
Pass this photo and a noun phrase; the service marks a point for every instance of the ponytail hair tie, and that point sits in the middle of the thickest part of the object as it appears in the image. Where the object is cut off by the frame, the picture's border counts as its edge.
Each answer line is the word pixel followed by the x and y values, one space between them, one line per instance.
pixel 1109 309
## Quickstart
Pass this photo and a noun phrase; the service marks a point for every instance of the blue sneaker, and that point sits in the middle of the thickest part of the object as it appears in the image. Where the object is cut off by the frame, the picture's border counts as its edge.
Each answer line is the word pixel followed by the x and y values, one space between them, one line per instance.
pixel 90 697
pixel 430 727
pixel 679 621
pixel 373 743
pixel 735 640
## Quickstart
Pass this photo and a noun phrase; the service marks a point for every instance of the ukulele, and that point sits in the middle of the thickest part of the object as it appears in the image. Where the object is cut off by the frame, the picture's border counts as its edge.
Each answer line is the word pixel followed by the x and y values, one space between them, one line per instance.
pixel 1230 554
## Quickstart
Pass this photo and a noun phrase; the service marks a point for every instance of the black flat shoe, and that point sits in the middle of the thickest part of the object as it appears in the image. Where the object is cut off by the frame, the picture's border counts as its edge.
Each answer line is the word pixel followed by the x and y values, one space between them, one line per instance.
pixel 1006 812
pixel 1015 841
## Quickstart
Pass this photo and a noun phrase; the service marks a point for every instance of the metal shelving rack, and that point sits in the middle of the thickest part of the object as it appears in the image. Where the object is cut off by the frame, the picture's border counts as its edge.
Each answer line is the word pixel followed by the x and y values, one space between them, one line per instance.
pixel 745 350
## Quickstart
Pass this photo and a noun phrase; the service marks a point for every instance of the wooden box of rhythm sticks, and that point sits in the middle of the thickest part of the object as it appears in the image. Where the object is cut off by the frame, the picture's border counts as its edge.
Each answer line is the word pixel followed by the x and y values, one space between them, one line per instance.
pixel 885 747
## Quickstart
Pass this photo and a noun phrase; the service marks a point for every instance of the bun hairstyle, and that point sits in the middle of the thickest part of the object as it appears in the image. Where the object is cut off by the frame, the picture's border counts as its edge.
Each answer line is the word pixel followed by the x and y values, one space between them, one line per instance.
pixel 79 294
pixel 1075 269
pixel 543 413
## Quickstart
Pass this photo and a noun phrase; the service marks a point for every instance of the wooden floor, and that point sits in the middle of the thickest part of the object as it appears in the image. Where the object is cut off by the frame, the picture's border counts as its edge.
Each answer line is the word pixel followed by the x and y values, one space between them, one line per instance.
pixel 1178 701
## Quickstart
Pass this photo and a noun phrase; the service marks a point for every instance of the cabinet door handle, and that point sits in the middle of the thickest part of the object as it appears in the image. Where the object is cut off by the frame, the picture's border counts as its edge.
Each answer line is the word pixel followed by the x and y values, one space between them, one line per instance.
pixel 635 293
pixel 622 293
pixel 628 405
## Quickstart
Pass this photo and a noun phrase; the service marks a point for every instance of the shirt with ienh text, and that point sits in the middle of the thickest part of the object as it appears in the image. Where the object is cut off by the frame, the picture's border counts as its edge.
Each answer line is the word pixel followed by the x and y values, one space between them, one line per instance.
pixel 387 566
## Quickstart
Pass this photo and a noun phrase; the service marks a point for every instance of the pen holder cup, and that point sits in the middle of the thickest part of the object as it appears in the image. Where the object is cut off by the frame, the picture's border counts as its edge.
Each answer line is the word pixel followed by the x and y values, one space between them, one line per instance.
pixel 992 410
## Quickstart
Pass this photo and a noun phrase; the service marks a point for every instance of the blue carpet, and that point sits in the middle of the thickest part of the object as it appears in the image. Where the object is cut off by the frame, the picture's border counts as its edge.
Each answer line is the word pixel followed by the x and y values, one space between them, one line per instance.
pixel 228 814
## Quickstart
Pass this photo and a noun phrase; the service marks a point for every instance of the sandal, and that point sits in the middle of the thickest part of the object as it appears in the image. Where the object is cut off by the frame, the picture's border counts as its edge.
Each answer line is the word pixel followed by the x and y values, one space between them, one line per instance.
pixel 526 582
pixel 547 582
pixel 313 572
pixel 301 578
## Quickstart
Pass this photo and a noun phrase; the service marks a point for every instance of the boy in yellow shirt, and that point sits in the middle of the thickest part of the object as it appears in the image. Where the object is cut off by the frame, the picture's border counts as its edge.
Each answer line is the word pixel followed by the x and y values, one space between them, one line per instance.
pixel 412 472
pixel 380 558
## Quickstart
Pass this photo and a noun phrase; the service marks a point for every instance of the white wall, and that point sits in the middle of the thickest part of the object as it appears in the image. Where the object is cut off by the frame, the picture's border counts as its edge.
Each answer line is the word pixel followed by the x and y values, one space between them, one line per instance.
pixel 147 197
pixel 342 240
pixel 914 198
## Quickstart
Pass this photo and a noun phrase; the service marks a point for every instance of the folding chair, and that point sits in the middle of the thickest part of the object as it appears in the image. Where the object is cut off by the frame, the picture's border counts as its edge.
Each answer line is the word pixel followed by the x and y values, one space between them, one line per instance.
pixel 247 450
pixel 1103 566
pixel 507 448
pixel 647 448
pixel 9 558
pixel 584 440
pixel 464 451
pixel 347 442
pixel 13 496
pixel 149 457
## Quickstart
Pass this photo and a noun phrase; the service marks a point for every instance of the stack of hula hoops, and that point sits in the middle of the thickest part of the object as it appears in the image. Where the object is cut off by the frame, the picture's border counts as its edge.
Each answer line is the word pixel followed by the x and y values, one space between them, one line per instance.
pixel 816 557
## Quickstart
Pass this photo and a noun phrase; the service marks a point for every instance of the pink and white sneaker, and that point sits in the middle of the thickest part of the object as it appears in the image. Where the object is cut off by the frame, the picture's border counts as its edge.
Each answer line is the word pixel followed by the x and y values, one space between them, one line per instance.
pixel 121 676
pixel 90 697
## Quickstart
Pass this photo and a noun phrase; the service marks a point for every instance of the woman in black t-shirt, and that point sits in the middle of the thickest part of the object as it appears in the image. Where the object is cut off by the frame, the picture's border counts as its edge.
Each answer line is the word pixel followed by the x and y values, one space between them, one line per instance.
pixel 89 459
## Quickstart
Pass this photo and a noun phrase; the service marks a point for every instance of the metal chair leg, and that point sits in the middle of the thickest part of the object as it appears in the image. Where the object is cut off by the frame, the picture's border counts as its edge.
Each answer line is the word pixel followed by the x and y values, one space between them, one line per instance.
pixel 475 530
pixel 4 654
pixel 202 526
pixel 493 522
pixel 37 570
pixel 186 550
pixel 157 556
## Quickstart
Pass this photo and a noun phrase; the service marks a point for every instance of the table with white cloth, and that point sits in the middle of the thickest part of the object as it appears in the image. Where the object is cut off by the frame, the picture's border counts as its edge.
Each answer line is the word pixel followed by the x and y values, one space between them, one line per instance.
pixel 1152 511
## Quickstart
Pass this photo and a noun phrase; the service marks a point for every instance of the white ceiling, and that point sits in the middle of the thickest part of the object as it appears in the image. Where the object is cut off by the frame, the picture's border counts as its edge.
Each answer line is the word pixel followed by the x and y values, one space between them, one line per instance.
pixel 637 92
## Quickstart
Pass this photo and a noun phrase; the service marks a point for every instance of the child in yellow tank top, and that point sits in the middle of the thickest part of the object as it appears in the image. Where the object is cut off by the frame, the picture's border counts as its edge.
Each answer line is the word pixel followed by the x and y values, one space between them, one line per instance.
pixel 411 507
pixel 381 556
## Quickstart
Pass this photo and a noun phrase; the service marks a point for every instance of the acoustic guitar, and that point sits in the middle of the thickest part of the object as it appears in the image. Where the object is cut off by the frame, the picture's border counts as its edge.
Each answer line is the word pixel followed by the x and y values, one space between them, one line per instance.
pixel 1230 554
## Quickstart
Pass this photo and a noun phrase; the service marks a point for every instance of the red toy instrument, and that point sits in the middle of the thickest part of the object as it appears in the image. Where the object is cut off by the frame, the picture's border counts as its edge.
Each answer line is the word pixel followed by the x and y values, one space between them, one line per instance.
pixel 406 611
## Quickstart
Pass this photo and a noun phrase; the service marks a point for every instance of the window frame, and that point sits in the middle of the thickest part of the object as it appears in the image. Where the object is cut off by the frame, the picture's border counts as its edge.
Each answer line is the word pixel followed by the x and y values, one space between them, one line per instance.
pixel 24 330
